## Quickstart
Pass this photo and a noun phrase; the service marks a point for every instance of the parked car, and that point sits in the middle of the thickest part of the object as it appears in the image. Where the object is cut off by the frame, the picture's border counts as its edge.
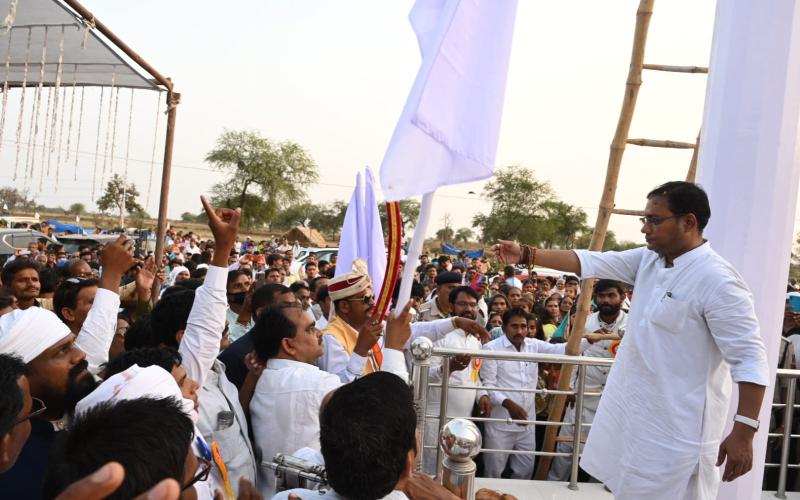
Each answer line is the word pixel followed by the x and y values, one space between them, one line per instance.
pixel 303 253
pixel 13 241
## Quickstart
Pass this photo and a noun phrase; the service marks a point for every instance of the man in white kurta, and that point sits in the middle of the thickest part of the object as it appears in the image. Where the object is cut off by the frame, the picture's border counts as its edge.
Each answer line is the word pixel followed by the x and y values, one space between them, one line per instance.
pixel 285 406
pixel 691 329
pixel 516 405
pixel 464 372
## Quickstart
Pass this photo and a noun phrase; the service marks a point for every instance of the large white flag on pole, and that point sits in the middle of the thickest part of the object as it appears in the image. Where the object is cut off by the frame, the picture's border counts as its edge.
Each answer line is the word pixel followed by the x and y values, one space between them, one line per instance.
pixel 362 233
pixel 450 125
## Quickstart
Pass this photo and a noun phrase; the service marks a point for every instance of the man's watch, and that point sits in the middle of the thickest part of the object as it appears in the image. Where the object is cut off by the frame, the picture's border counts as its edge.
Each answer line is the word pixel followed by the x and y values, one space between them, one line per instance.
pixel 750 422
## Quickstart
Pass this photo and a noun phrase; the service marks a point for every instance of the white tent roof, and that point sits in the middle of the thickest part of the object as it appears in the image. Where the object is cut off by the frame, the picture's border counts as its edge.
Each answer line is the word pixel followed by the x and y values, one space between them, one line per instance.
pixel 95 64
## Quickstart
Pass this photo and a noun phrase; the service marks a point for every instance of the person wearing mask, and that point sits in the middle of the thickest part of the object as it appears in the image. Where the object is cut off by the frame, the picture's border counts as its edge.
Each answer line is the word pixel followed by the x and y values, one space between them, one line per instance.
pixel 239 313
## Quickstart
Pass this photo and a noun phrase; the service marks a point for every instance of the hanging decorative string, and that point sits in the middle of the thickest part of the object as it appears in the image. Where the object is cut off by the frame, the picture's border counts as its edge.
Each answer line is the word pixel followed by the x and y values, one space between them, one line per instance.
pixel 110 120
pixel 114 133
pixel 96 144
pixel 155 145
pixel 78 139
pixel 5 91
pixel 22 104
pixel 71 112
pixel 8 22
pixel 128 144
pixel 88 25
pixel 45 130
pixel 56 95
pixel 34 129
pixel 61 132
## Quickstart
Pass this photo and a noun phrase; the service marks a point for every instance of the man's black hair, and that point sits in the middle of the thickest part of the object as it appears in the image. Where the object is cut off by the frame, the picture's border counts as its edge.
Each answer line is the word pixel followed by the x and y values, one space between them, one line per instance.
pixel 509 271
pixel 149 437
pixel 200 273
pixel 165 357
pixel 190 284
pixel 430 266
pixel 571 278
pixel 517 312
pixel 462 289
pixel 314 283
pixel 271 270
pixel 140 334
pixel 297 285
pixel 67 294
pixel 6 297
pixel 272 258
pixel 367 429
pixel 15 266
pixel 232 275
pixel 170 315
pixel 685 198
pixel 311 263
pixel 322 293
pixel 603 285
pixel 11 397
pixel 271 328
pixel 48 281
pixel 266 295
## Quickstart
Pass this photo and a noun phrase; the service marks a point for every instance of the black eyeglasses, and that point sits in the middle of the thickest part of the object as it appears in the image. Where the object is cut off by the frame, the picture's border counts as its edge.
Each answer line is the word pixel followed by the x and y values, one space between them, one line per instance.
pixel 656 221
pixel 205 470
pixel 37 409
pixel 366 299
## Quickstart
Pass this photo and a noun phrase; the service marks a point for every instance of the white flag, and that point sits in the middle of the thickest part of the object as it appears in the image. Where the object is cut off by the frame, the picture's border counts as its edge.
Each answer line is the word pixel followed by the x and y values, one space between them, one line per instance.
pixel 450 125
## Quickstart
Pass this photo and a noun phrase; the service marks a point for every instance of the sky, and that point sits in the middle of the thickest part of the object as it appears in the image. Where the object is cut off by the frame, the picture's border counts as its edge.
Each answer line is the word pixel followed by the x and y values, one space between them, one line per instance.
pixel 334 76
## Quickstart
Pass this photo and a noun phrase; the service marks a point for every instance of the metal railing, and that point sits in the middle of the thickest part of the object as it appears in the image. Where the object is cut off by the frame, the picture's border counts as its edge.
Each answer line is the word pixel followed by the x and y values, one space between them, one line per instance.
pixel 422 350
pixel 786 436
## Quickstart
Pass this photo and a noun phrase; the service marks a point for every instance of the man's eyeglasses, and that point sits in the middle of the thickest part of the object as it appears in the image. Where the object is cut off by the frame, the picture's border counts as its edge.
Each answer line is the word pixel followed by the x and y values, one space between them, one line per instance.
pixel 202 475
pixel 37 409
pixel 471 305
pixel 656 221
pixel 366 299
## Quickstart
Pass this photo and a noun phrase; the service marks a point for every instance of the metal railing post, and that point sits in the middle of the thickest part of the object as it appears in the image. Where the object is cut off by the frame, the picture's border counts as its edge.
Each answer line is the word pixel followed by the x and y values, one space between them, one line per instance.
pixel 461 441
pixel 577 431
pixel 442 410
pixel 786 445
pixel 421 350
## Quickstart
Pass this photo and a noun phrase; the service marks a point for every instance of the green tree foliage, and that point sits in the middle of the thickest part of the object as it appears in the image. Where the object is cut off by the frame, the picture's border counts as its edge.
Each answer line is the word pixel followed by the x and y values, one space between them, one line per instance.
pixel 445 234
pixel 263 176
pixel 188 217
pixel 120 197
pixel 77 209
pixel 326 218
pixel 16 199
pixel 464 234
pixel 563 224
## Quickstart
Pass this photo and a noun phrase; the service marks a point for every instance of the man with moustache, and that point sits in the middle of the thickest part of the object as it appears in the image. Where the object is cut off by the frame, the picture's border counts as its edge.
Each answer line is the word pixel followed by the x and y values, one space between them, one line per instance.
pixel 602 333
pixel 464 371
pixel 21 277
pixel 515 405
pixel 60 364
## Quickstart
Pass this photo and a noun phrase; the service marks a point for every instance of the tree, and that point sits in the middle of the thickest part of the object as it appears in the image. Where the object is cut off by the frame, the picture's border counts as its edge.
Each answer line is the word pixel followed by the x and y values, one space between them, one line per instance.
pixel 264 176
pixel 120 196
pixel 409 213
pixel 188 217
pixel 518 207
pixel 77 209
pixel 326 218
pixel 464 234
pixel 445 234
pixel 564 223
pixel 609 244
pixel 16 199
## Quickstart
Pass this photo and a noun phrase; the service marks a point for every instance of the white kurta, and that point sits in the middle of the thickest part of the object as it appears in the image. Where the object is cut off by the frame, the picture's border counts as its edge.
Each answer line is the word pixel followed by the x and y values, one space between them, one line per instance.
pixel 459 401
pixel 691 327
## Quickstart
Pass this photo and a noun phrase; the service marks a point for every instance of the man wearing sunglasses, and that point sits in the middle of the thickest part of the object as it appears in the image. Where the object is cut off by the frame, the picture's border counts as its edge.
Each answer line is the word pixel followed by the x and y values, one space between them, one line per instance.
pixel 670 399
pixel 17 407
pixel 349 337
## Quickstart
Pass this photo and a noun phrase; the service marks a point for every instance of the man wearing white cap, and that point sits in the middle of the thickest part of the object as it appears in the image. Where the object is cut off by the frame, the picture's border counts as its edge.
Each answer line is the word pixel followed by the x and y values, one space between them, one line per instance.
pixel 349 337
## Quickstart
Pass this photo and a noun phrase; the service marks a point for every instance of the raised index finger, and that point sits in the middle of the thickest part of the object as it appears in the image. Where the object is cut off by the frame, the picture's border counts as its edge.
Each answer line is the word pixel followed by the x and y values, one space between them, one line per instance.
pixel 212 215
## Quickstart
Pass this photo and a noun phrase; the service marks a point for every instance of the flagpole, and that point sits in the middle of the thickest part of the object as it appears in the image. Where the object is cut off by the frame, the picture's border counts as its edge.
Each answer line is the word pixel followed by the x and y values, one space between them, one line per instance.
pixel 415 250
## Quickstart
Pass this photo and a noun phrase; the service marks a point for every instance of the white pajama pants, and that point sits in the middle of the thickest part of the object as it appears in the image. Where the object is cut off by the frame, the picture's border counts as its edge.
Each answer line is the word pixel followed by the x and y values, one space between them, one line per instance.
pixel 496 437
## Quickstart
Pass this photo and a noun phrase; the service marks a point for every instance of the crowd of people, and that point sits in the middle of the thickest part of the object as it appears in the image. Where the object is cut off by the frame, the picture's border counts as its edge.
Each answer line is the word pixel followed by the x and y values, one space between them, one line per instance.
pixel 114 384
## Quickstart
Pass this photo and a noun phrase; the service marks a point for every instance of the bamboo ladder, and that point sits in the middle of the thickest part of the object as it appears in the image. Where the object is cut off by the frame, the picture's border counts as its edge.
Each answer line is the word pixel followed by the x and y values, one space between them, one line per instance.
pixel 607 208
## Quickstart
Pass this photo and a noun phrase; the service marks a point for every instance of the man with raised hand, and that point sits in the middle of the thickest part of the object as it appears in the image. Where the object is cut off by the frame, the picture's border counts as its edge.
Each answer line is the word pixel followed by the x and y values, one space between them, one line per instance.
pixel 691 329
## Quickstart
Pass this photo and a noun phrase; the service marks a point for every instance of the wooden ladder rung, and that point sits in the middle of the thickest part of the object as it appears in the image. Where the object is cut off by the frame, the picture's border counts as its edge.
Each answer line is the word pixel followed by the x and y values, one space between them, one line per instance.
pixel 621 211
pixel 569 439
pixel 654 143
pixel 675 69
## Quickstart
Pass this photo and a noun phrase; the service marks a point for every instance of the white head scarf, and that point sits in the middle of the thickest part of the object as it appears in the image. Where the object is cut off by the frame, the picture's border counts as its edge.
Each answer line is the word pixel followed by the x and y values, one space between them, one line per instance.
pixel 30 332
pixel 137 382
pixel 173 275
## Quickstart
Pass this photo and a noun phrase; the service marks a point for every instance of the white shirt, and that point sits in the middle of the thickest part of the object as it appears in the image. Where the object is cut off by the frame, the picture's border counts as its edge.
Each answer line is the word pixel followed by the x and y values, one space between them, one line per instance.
pixel 691 328
pixel 329 494
pixel 285 405
pixel 336 360
pixel 199 346
pixel 97 331
pixel 596 375
pixel 459 401
pixel 514 374
pixel 236 329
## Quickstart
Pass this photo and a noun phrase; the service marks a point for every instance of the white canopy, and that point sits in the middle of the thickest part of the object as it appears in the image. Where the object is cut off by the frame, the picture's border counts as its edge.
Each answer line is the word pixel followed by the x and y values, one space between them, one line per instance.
pixel 94 65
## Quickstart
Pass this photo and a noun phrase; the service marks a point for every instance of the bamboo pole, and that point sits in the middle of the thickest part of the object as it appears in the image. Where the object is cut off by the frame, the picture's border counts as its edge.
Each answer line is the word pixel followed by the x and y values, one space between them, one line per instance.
pixel 675 69
pixel 692 173
pixel 655 143
pixel 632 85
pixel 173 99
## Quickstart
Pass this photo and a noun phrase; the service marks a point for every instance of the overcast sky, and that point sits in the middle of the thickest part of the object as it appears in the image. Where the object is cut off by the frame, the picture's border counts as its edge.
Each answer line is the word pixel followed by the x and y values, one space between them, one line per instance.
pixel 333 76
